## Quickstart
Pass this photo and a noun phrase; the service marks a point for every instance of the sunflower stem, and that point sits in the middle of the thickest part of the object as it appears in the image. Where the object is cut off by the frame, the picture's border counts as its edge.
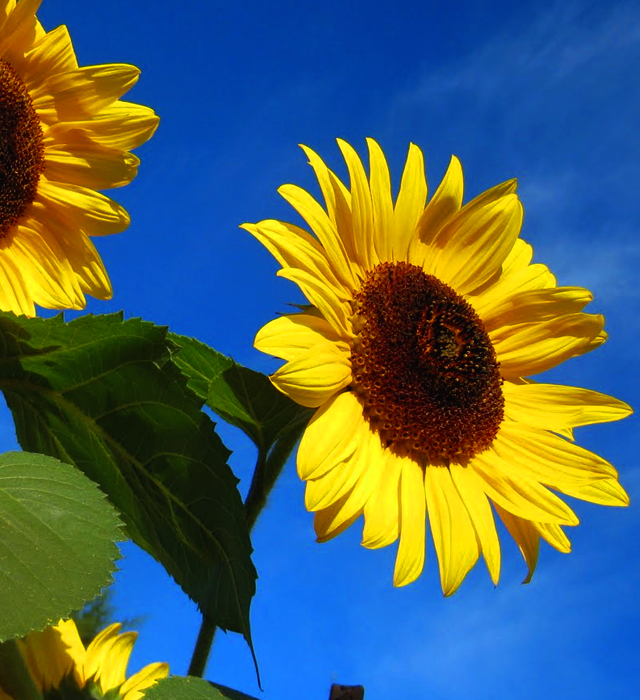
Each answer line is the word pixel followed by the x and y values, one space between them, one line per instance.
pixel 267 470
pixel 15 678
pixel 202 648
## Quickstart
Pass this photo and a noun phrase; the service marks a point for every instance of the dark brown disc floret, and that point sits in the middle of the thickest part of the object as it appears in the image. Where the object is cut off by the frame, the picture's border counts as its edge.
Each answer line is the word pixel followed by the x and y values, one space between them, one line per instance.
pixel 21 148
pixel 424 367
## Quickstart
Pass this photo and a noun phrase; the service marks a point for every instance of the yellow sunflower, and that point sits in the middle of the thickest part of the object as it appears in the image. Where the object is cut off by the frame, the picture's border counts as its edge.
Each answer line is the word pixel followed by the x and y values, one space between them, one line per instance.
pixel 64 133
pixel 62 668
pixel 426 321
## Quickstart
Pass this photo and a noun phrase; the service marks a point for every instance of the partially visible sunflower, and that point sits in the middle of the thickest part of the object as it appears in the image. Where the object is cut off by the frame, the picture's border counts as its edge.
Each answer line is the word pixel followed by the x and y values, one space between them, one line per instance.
pixel 426 322
pixel 64 133
pixel 62 668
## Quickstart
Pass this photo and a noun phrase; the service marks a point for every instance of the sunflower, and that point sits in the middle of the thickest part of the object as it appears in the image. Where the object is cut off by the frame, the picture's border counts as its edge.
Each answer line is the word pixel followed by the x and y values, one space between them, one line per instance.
pixel 64 133
pixel 425 322
pixel 62 668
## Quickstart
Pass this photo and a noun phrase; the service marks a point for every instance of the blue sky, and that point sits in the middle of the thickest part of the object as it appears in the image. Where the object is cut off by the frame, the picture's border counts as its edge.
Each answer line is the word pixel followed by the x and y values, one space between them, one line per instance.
pixel 544 92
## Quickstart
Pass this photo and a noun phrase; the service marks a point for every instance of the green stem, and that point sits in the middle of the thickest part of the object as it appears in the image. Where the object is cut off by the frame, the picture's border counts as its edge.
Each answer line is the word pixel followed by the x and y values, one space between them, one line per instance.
pixel 202 648
pixel 266 473
pixel 15 678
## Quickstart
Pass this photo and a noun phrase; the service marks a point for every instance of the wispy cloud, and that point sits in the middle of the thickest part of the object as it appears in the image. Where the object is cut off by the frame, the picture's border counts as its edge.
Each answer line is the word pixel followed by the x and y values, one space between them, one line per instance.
pixel 555 45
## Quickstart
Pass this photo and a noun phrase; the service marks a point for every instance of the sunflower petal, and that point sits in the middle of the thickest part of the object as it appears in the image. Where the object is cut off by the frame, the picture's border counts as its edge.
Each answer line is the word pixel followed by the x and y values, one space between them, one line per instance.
pixel 331 437
pixel 471 247
pixel 287 336
pixel 122 125
pixel 83 208
pixel 470 490
pixel 531 348
pixel 554 535
pixel 526 537
pixel 293 247
pixel 88 164
pixel 323 297
pixel 444 204
pixel 361 206
pixel 320 223
pixel 410 204
pixel 382 201
pixel 605 492
pixel 334 519
pixel 314 376
pixel 112 673
pixel 411 550
pixel 83 92
pixel 453 533
pixel 560 408
pixel 519 494
pixel 143 679
pixel 382 510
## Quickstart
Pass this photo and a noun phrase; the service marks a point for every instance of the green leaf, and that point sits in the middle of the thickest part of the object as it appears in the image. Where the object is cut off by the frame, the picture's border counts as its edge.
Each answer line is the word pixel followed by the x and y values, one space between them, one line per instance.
pixel 57 541
pixel 102 394
pixel 241 396
pixel 189 688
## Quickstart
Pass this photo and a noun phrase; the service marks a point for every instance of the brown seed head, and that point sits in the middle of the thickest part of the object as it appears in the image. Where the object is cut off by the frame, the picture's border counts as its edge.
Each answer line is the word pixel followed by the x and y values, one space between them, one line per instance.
pixel 424 367
pixel 21 148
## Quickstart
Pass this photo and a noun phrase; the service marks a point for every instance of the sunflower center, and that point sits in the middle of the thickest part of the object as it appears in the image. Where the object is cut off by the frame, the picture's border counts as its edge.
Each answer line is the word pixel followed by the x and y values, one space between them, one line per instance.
pixel 21 148
pixel 424 367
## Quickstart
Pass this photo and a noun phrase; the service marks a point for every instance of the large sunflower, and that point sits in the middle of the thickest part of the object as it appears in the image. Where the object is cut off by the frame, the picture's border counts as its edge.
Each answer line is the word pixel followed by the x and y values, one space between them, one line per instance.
pixel 64 133
pixel 62 668
pixel 424 326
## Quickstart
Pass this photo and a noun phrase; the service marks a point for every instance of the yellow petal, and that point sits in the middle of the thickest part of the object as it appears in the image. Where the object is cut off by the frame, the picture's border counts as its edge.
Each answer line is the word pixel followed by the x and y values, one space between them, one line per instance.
pixel 554 535
pixel 444 204
pixel 98 650
pixel 82 162
pixel 83 208
pixel 453 532
pixel 293 247
pixel 361 207
pixel 506 285
pixel 331 437
pixel 324 491
pixel 82 93
pixel 382 200
pixel 314 376
pixel 530 348
pixel 335 310
pixel 537 305
pixel 547 458
pixel 287 336
pixel 76 247
pixel 334 519
pixel 605 492
pixel 338 202
pixel 382 510
pixel 20 22
pixel 13 288
pixel 473 246
pixel 321 225
pixel 114 667
pixel 560 408
pixel 411 550
pixel 143 679
pixel 47 657
pixel 469 488
pixel 522 496
pixel 526 537
pixel 410 203
pixel 122 125
pixel 46 270
pixel 52 54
